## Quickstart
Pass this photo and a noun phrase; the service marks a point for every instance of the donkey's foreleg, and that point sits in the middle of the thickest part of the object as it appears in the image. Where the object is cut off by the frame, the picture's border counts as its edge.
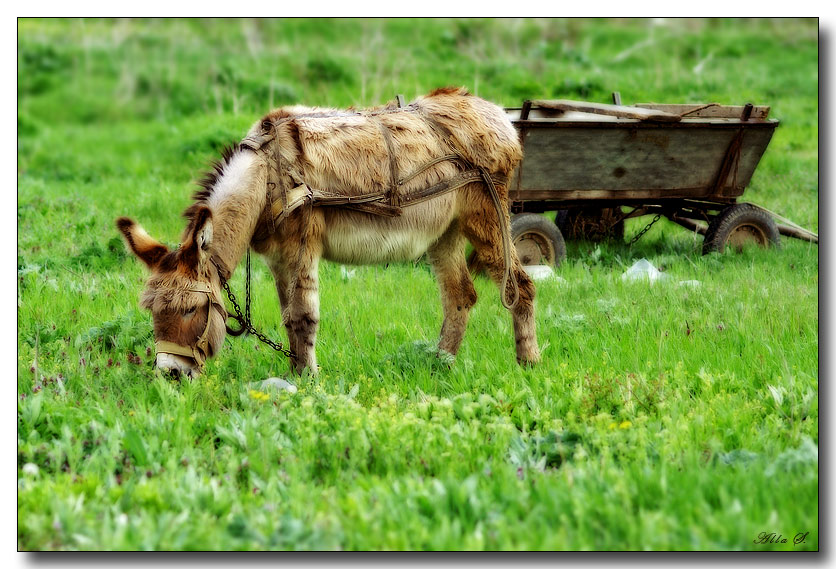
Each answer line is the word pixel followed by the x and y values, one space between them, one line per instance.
pixel 303 309
pixel 281 276
pixel 457 293
pixel 481 227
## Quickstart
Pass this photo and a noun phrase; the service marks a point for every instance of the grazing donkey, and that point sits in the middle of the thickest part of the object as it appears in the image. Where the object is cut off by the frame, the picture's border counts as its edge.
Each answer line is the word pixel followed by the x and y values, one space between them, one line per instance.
pixel 361 210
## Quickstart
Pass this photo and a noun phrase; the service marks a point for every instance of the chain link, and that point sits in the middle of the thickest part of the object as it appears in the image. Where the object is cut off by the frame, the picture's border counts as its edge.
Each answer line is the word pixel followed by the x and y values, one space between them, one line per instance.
pixel 244 319
pixel 645 230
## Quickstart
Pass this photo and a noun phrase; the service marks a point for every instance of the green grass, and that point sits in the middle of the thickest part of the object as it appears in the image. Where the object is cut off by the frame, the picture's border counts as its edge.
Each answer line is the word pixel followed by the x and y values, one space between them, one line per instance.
pixel 663 417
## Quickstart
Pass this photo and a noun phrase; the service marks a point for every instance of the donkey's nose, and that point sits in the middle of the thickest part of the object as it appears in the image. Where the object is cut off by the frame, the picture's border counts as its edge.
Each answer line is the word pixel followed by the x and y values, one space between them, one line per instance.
pixel 173 373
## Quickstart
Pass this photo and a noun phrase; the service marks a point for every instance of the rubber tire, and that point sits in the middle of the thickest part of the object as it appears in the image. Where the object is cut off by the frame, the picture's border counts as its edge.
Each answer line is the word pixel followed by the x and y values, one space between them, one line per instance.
pixel 541 230
pixel 733 218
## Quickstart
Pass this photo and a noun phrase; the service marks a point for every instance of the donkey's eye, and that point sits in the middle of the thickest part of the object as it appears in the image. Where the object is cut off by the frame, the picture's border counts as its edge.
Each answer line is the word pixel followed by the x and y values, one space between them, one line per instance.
pixel 191 310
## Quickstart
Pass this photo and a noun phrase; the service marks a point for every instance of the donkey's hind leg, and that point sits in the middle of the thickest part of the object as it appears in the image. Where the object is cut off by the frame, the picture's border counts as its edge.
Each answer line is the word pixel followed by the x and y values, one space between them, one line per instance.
pixel 457 293
pixel 481 227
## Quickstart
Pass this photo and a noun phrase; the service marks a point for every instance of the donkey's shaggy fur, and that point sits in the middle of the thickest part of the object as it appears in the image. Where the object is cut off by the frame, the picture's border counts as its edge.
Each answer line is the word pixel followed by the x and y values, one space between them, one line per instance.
pixel 344 152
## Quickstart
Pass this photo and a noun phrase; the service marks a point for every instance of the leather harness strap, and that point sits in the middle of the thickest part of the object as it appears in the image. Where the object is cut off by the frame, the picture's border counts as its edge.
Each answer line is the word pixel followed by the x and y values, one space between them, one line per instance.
pixel 392 194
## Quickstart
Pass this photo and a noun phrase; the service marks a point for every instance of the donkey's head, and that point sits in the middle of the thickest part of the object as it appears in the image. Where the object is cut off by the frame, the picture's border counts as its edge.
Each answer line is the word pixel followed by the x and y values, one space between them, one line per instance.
pixel 182 293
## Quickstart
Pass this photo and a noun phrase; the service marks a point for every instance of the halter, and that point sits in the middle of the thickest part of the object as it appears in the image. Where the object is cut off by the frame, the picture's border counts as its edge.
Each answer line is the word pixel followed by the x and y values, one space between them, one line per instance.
pixel 198 352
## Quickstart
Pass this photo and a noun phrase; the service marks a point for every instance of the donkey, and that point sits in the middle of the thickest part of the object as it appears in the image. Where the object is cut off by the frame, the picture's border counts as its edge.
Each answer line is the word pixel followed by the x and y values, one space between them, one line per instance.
pixel 351 154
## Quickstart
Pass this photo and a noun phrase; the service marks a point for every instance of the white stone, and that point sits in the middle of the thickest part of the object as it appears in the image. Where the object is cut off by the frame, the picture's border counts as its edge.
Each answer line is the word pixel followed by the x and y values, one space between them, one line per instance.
pixel 539 272
pixel 276 383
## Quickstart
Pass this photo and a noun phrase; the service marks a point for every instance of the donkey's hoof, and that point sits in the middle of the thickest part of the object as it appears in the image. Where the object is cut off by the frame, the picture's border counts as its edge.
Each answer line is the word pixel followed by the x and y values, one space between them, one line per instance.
pixel 529 360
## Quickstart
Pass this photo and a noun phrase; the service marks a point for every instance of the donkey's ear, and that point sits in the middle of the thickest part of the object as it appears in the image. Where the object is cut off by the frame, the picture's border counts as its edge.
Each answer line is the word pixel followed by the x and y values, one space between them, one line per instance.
pixel 202 229
pixel 197 240
pixel 148 249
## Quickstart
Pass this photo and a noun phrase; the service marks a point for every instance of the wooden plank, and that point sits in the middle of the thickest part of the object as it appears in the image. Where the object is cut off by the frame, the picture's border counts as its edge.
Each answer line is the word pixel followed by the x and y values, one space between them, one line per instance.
pixel 798 233
pixel 716 110
pixel 605 194
pixel 611 110
pixel 571 119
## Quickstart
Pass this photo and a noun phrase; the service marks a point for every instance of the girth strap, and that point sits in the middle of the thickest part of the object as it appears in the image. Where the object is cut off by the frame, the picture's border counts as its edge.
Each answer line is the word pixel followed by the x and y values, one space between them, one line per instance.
pixel 392 194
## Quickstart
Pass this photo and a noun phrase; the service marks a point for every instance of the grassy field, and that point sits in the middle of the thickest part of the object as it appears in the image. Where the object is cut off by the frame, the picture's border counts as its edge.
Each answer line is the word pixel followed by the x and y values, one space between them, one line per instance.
pixel 662 418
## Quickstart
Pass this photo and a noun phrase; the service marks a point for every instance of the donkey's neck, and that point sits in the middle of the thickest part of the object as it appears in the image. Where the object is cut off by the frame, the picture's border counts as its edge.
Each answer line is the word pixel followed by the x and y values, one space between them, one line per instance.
pixel 237 200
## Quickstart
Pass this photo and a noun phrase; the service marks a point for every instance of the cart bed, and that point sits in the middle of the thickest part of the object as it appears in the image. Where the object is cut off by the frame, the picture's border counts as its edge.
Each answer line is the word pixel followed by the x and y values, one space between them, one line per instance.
pixel 574 155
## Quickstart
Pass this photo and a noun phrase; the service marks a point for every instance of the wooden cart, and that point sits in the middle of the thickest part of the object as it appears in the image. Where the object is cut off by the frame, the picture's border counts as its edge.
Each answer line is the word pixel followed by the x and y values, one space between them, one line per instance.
pixel 597 165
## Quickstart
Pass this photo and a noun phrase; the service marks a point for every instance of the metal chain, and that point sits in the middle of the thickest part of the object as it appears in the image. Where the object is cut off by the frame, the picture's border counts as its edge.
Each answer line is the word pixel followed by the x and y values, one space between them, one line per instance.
pixel 247 289
pixel 645 230
pixel 244 320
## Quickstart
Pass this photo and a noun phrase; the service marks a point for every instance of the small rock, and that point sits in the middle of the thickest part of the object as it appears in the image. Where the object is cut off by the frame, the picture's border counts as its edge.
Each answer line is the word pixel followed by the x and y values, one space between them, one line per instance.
pixel 540 272
pixel 276 383
pixel 30 469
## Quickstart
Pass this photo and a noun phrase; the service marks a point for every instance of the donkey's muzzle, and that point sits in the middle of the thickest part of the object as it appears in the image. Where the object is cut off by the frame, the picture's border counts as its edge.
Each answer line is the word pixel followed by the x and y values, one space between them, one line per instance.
pixel 176 367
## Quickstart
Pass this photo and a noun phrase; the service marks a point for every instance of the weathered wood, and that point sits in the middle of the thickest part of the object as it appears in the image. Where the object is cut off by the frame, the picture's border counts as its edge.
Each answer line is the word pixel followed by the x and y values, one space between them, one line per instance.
pixel 525 111
pixel 798 233
pixel 620 196
pixel 689 224
pixel 700 110
pixel 568 119
pixel 662 162
pixel 611 110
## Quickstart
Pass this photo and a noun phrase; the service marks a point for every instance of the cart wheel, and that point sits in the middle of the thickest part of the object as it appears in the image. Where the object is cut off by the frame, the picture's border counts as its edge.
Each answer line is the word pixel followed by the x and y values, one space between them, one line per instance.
pixel 739 225
pixel 538 240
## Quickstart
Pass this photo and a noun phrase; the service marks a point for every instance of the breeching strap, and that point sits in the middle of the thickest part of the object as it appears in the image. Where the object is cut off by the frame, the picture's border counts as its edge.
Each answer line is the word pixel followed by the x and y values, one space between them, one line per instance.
pixel 505 231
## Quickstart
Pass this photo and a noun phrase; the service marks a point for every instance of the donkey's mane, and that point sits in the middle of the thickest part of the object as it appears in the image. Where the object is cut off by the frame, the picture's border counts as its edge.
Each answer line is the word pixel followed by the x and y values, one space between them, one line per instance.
pixel 209 179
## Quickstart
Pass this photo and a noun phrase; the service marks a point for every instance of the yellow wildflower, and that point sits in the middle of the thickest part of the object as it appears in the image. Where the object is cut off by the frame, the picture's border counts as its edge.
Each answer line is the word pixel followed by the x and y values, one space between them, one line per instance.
pixel 259 395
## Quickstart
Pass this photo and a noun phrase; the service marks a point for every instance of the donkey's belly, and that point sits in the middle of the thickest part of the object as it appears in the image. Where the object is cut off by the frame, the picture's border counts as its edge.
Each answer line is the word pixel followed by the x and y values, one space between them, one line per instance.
pixel 358 238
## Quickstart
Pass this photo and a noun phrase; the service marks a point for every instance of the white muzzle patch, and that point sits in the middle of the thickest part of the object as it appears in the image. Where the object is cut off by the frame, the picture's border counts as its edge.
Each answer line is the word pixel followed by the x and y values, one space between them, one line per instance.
pixel 173 362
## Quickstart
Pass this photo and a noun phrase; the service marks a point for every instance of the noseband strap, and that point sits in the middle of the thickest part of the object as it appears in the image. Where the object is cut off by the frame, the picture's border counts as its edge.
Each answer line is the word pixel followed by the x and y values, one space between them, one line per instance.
pixel 199 351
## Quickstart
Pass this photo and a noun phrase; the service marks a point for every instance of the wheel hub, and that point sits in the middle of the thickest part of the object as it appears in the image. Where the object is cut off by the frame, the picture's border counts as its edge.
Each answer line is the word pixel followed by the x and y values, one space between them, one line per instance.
pixel 747 234
pixel 534 249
